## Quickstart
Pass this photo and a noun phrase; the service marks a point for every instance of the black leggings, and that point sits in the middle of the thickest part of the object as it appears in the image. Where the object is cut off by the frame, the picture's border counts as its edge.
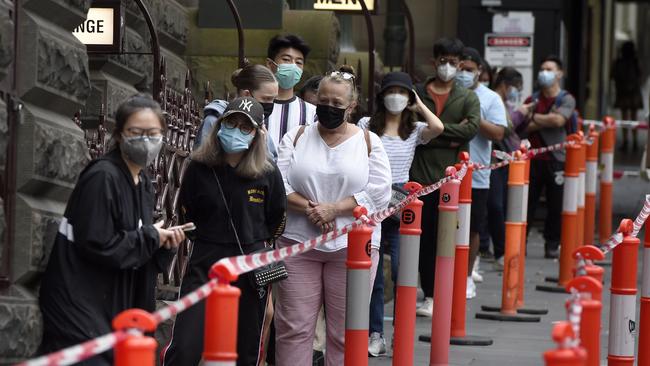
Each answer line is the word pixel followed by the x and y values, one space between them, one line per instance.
pixel 429 242
pixel 186 345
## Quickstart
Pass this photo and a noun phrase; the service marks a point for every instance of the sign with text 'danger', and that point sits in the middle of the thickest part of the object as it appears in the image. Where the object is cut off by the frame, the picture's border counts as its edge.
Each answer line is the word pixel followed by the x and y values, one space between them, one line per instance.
pixel 509 49
pixel 101 31
pixel 343 5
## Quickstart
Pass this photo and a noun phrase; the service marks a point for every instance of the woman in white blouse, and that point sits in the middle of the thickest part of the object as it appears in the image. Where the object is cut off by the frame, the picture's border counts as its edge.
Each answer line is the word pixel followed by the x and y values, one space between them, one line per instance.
pixel 329 168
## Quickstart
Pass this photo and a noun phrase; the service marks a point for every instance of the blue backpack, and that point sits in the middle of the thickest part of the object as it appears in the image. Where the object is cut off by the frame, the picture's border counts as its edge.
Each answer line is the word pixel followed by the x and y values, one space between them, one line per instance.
pixel 571 125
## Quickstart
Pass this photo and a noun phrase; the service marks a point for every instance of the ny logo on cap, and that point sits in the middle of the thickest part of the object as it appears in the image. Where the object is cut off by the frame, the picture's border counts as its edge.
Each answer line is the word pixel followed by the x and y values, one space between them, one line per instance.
pixel 246 105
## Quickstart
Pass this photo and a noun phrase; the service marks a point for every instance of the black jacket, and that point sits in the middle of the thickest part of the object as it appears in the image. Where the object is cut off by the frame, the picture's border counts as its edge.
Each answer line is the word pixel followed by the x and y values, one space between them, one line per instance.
pixel 105 257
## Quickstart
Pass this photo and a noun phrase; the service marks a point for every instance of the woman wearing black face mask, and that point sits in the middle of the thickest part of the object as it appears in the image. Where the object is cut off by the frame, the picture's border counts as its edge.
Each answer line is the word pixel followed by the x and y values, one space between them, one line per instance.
pixel 328 168
pixel 107 253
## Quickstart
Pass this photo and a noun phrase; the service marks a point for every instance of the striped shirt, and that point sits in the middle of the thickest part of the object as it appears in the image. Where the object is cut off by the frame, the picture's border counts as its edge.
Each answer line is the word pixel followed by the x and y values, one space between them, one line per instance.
pixel 400 152
pixel 287 114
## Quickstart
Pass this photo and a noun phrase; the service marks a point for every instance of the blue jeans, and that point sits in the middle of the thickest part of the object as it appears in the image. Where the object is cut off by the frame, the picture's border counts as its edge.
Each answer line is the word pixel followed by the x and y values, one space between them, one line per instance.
pixel 390 243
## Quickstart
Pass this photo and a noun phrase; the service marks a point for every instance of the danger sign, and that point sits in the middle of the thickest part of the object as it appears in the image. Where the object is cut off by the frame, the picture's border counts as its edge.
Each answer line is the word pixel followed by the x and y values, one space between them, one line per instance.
pixel 509 49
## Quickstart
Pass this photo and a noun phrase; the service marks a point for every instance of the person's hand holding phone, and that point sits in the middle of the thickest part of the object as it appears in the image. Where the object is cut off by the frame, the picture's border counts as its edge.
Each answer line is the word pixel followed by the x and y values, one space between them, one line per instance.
pixel 172 237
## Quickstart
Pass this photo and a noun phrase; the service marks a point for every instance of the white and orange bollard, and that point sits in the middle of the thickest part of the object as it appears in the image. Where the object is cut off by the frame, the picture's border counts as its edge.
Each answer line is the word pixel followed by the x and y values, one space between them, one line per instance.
pixel 221 318
pixel 524 237
pixel 136 349
pixel 644 317
pixel 443 288
pixel 358 292
pixel 591 184
pixel 514 225
pixel 569 233
pixel 607 143
pixel 622 311
pixel 590 316
pixel 580 232
pixel 407 279
pixel 565 354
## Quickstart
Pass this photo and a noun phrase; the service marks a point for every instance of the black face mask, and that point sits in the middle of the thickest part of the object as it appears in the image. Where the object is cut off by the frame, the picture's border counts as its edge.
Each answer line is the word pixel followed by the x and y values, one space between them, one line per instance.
pixel 330 117
pixel 268 109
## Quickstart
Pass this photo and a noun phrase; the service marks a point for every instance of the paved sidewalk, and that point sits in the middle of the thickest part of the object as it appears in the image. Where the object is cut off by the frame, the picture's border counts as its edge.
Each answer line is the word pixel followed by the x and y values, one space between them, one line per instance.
pixel 520 344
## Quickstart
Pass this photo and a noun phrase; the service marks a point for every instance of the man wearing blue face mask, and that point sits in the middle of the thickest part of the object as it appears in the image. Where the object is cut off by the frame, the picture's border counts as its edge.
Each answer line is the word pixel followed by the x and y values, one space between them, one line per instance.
pixel 286 59
pixel 492 127
pixel 549 115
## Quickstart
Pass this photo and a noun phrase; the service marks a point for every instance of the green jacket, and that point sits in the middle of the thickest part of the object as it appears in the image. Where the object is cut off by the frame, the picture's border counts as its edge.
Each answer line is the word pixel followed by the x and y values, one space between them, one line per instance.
pixel 431 159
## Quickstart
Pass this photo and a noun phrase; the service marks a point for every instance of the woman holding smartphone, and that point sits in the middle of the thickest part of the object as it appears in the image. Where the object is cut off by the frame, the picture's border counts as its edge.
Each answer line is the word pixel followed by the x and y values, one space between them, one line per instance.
pixel 396 124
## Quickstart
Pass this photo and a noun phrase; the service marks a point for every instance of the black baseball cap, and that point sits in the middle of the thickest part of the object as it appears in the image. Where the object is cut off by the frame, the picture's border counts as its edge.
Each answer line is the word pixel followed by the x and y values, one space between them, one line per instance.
pixel 471 54
pixel 247 106
pixel 397 78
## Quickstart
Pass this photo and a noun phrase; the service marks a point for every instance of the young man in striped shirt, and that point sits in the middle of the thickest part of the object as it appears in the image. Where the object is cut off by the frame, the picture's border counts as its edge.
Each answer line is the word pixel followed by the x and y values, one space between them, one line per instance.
pixel 286 59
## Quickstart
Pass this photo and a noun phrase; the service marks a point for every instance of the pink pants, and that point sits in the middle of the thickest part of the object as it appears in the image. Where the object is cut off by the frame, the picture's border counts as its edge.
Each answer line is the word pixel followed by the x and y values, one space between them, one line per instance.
pixel 315 278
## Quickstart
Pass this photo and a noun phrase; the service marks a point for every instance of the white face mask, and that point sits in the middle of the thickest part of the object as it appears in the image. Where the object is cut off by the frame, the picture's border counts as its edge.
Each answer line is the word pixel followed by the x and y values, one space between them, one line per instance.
pixel 446 72
pixel 395 103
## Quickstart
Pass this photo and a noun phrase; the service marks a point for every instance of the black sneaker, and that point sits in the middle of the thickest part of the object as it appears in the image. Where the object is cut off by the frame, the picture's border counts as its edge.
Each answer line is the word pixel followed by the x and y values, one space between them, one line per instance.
pixel 318 358
pixel 551 254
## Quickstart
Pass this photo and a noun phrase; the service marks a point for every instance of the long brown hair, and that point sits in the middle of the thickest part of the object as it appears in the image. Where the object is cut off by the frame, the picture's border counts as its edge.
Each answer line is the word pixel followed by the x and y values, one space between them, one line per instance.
pixel 253 165
pixel 377 123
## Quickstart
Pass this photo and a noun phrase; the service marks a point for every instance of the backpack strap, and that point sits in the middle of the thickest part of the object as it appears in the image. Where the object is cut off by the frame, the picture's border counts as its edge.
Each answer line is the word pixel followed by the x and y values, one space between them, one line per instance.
pixel 368 143
pixel 301 130
pixel 560 96
pixel 303 112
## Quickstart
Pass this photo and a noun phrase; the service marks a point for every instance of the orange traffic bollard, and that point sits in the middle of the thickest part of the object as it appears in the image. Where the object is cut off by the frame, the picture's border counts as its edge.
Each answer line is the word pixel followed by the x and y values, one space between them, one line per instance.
pixel 590 316
pixel 522 249
pixel 565 354
pixel 407 279
pixel 358 292
pixel 591 184
pixel 136 349
pixel 221 314
pixel 607 142
pixel 580 234
pixel 444 275
pixel 514 225
pixel 622 310
pixel 644 318
pixel 590 254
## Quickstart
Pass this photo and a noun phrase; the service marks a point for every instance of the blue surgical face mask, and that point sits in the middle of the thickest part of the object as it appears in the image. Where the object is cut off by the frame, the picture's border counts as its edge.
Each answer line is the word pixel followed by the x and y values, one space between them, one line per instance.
pixel 466 79
pixel 288 75
pixel 546 78
pixel 233 140
pixel 512 95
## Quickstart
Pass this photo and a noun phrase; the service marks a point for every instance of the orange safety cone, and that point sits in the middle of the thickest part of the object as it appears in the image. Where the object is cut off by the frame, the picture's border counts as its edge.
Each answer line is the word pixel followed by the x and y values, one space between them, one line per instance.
pixel 569 232
pixel 514 226
pixel 591 183
pixel 564 354
pixel 607 143
pixel 136 349
pixel 590 316
pixel 407 279
pixel 644 317
pixel 590 254
pixel 622 309
pixel 443 287
pixel 358 292
pixel 221 314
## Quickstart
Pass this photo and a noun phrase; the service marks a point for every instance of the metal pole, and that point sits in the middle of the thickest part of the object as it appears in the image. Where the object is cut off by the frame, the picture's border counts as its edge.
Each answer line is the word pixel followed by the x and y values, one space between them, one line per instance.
pixel 155 49
pixel 371 57
pixel 411 35
pixel 240 32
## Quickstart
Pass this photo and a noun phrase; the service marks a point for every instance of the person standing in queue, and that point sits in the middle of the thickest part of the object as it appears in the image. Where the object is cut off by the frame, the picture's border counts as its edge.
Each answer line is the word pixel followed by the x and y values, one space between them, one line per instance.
pixel 235 195
pixel 329 168
pixel 395 122
pixel 107 252
pixel 459 110
pixel 286 56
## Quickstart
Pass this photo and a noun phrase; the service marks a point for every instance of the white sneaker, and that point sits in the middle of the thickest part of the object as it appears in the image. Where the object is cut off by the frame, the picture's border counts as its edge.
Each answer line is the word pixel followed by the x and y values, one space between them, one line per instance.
pixel 477 277
pixel 376 345
pixel 426 309
pixel 498 264
pixel 470 293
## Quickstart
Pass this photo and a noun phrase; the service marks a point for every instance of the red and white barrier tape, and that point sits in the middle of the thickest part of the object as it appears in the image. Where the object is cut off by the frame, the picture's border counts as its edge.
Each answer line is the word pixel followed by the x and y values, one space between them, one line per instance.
pixel 574 312
pixel 185 302
pixel 619 124
pixel 617 238
pixel 78 353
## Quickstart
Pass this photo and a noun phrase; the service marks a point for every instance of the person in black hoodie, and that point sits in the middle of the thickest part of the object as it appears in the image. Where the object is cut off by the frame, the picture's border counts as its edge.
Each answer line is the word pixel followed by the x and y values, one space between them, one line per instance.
pixel 107 252
pixel 235 194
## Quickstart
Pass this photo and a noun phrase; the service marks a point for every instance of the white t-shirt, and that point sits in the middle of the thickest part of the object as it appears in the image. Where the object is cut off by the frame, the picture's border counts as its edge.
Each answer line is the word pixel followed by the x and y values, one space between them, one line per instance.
pixel 287 114
pixel 400 152
pixel 480 148
pixel 328 174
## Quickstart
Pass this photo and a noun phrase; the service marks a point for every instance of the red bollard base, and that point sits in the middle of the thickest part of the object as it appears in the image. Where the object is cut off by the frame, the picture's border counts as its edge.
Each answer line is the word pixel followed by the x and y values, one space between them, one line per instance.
pixel 356 347
pixel 528 311
pixel 620 361
pixel 467 340
pixel 508 317
pixel 551 288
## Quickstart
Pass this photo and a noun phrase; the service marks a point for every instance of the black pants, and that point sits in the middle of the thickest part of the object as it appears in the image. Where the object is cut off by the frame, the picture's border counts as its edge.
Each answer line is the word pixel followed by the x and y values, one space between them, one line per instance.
pixel 186 345
pixel 429 242
pixel 548 176
pixel 497 205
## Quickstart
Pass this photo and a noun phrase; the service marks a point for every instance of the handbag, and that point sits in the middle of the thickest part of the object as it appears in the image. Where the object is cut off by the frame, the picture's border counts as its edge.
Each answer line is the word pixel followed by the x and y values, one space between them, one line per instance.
pixel 398 194
pixel 271 273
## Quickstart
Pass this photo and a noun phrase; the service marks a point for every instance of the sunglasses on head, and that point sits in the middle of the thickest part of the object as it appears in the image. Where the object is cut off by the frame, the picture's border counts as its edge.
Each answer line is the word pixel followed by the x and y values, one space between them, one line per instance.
pixel 342 74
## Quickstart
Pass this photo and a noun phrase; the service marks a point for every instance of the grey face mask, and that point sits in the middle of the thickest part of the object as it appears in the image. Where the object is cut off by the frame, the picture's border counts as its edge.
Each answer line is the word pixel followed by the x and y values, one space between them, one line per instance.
pixel 141 150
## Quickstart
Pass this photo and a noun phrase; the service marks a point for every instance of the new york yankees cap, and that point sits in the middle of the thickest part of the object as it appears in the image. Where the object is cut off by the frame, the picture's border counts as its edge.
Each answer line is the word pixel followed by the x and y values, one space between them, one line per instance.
pixel 249 107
